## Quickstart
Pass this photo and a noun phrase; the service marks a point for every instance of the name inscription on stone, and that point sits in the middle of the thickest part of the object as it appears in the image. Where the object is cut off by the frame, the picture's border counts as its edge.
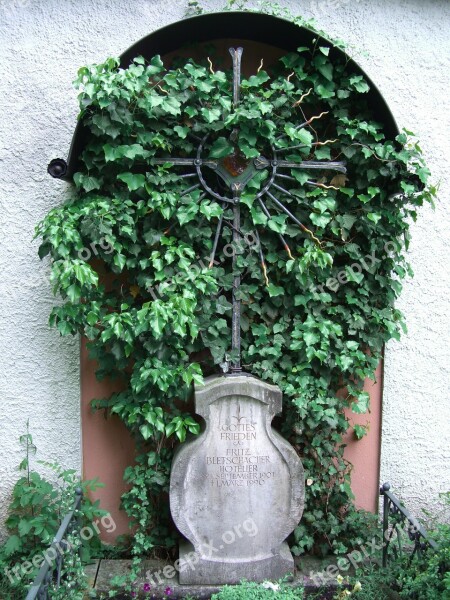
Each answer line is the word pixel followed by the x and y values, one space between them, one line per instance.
pixel 238 463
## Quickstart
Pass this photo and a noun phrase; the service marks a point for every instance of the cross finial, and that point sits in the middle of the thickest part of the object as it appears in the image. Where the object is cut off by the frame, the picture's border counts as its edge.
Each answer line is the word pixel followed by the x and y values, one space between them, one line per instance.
pixel 236 55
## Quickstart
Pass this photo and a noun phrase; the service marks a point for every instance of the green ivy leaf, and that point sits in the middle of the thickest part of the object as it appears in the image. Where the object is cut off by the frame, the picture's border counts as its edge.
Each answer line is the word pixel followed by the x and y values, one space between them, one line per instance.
pixel 359 84
pixel 374 217
pixel 360 431
pixel 326 70
pixel 12 545
pixel 256 80
pixel 248 151
pixel 133 181
pixel 156 66
pixel 361 405
pixel 211 114
pixel 321 220
pixel 211 209
pixel 146 431
pixel 310 338
pixel 275 290
pixel 182 131
pixel 171 105
pixel 87 182
pixel 74 292
pixel 221 148
pixel 120 261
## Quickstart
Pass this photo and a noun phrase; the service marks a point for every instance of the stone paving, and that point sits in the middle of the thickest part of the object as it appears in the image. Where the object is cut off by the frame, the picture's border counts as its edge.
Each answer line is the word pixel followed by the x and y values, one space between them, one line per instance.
pixel 159 586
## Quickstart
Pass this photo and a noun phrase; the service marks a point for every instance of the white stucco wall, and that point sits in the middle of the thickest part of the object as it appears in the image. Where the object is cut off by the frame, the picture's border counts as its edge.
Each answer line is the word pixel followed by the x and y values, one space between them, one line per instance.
pixel 403 47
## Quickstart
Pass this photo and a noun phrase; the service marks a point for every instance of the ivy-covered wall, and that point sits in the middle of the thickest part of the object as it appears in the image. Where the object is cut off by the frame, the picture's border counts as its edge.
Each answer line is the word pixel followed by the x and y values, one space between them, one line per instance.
pixel 402 47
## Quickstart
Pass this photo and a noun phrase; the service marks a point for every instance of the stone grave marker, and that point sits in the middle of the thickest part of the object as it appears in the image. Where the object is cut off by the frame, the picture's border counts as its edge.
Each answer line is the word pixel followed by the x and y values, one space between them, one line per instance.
pixel 237 491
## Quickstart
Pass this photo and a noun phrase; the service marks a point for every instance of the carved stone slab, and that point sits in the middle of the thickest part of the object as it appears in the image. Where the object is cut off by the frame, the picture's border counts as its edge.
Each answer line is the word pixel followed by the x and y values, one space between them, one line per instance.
pixel 236 491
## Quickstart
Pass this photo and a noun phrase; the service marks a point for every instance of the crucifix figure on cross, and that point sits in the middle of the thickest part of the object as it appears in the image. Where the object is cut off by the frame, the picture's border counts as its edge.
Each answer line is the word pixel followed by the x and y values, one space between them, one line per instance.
pixel 235 171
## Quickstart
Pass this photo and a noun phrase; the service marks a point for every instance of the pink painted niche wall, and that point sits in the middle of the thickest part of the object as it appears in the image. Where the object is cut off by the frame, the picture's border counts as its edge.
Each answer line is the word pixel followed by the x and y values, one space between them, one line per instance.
pixel 108 447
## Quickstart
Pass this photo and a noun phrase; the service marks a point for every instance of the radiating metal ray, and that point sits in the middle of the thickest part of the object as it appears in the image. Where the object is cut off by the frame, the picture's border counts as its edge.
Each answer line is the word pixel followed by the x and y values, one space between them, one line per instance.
pixel 308 182
pixel 269 216
pixel 195 137
pixel 216 241
pixel 293 217
pixel 282 189
pixel 186 175
pixel 231 226
pixel 173 161
pixel 286 210
pixel 302 97
pixel 262 259
pixel 312 164
pixel 286 177
pixel 191 189
pixel 181 162
pixel 292 147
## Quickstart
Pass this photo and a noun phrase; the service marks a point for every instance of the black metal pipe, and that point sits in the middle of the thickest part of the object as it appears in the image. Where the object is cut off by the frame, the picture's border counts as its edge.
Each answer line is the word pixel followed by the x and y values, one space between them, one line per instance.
pixel 236 55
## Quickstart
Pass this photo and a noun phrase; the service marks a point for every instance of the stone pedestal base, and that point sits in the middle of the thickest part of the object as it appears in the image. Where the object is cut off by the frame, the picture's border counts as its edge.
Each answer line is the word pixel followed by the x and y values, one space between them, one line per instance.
pixel 195 570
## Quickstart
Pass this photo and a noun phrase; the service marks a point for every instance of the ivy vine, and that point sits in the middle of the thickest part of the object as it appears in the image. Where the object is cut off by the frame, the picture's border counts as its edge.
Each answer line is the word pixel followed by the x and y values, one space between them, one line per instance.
pixel 158 316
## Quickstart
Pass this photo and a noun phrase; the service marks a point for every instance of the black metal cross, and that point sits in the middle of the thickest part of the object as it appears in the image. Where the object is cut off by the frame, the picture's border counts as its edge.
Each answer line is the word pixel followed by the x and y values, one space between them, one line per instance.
pixel 236 174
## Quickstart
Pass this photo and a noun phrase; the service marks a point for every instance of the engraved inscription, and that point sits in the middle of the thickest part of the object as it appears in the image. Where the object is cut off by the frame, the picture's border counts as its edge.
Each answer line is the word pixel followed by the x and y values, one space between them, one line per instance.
pixel 238 467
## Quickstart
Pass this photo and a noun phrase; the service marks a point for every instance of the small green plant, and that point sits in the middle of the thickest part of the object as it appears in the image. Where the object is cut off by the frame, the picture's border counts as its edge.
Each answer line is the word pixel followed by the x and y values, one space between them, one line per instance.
pixel 74 584
pixel 267 590
pixel 345 590
pixel 423 577
pixel 35 513
pixel 10 590
pixel 375 582
pixel 428 577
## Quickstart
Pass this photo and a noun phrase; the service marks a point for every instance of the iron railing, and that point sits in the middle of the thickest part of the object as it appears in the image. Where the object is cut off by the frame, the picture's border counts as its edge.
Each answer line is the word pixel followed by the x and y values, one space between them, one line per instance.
pixel 397 520
pixel 51 570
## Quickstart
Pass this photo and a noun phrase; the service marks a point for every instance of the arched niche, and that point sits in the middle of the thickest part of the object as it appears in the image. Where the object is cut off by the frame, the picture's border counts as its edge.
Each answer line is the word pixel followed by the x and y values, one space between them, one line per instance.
pixel 107 447
pixel 260 35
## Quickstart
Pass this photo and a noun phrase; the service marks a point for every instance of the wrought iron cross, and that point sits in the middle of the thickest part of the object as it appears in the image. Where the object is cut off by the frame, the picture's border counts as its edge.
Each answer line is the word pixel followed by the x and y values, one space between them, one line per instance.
pixel 236 172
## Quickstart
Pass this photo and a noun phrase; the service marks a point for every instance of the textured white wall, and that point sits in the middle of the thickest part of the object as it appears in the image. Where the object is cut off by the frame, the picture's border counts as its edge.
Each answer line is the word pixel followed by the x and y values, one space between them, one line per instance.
pixel 403 47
